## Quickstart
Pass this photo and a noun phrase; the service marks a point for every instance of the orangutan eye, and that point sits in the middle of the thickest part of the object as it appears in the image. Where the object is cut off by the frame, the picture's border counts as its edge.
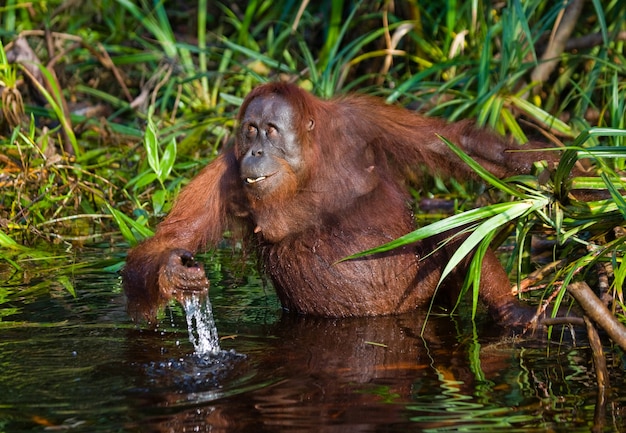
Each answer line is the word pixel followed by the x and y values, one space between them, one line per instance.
pixel 271 132
pixel 251 130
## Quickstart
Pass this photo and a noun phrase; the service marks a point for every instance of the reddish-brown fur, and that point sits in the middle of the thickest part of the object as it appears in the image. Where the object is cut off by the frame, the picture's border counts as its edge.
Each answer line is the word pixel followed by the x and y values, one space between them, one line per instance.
pixel 349 197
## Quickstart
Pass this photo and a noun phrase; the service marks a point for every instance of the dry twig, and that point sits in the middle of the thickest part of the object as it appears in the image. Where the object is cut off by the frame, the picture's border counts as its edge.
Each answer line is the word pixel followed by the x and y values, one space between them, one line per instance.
pixel 563 29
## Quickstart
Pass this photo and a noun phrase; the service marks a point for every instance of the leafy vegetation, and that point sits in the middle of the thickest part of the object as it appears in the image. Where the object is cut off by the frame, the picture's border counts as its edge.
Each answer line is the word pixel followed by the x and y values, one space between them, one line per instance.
pixel 110 107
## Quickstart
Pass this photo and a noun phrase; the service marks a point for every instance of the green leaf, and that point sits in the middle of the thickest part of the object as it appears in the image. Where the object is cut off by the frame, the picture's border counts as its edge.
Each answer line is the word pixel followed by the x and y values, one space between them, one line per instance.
pixel 158 200
pixel 615 194
pixel 168 160
pixel 125 224
pixel 142 180
pixel 482 172
pixel 7 242
pixel 56 102
pixel 541 115
pixel 474 271
pixel 488 228
pixel 67 284
pixel 454 222
pixel 151 143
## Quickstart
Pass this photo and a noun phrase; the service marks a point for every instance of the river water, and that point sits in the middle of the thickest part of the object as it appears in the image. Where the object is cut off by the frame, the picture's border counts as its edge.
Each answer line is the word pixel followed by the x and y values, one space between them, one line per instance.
pixel 79 364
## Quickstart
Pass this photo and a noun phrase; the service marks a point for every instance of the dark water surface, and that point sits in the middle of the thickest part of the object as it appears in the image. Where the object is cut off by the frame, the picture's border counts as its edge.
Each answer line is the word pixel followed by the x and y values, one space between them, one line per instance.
pixel 80 365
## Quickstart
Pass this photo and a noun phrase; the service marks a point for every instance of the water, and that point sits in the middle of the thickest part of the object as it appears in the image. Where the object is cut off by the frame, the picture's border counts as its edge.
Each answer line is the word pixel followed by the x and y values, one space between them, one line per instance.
pixel 201 325
pixel 79 364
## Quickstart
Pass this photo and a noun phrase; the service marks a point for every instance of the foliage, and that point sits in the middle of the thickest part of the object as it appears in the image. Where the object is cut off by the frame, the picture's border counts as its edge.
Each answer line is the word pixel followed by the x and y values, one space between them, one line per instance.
pixel 581 228
pixel 121 102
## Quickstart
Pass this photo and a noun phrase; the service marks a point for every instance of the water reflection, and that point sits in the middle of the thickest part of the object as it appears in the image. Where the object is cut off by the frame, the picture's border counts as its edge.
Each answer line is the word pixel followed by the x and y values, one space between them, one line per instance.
pixel 361 375
pixel 78 364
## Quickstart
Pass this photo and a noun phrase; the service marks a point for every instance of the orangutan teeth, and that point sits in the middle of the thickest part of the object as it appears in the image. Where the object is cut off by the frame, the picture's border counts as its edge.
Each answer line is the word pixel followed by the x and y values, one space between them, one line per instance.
pixel 258 179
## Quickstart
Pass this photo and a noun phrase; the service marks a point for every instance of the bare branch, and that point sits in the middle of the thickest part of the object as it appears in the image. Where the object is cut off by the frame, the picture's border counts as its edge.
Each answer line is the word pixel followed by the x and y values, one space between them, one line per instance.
pixel 555 48
pixel 595 309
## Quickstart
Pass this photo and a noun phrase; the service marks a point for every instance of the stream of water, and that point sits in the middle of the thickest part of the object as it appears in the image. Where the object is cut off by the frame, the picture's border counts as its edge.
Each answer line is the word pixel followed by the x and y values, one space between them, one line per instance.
pixel 201 325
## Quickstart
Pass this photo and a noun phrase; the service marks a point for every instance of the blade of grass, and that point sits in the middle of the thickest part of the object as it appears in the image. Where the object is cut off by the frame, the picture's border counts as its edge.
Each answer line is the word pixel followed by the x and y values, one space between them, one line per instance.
pixel 487 229
pixel 615 193
pixel 125 223
pixel 482 172
pixel 202 57
pixel 542 116
pixel 450 223
pixel 55 100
